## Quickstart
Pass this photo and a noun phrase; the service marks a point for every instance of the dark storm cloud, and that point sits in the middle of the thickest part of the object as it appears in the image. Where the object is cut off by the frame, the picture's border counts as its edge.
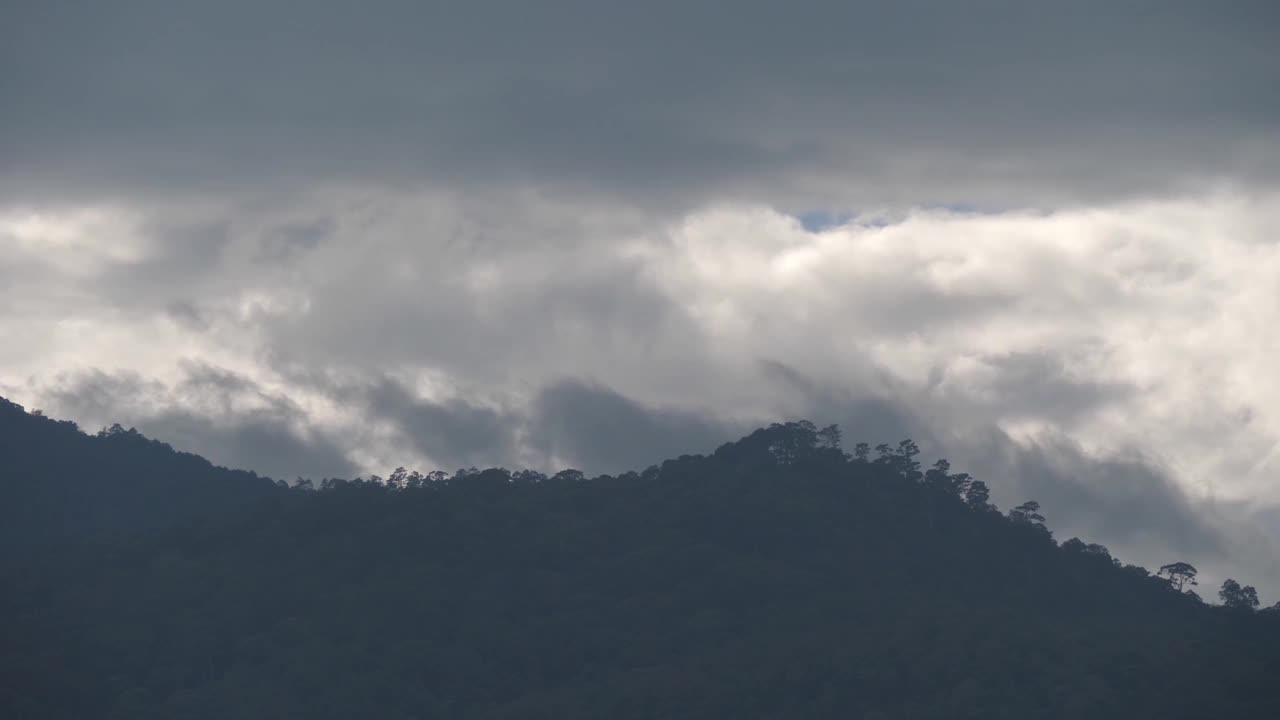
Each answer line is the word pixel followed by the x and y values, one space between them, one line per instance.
pixel 864 414
pixel 590 427
pixel 600 430
pixel 285 242
pixel 179 256
pixel 254 440
pixel 1125 500
pixel 95 395
pixel 1049 99
pixel 1038 384
pixel 187 314
pixel 202 414
pixel 454 433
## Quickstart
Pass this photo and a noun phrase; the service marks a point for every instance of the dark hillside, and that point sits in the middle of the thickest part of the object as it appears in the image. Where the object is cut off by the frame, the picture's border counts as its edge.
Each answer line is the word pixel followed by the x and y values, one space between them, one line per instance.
pixel 778 577
pixel 58 484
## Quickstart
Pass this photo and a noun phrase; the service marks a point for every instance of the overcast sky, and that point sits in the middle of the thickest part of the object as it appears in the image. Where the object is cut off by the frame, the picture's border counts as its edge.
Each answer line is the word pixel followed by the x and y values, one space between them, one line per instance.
pixel 332 238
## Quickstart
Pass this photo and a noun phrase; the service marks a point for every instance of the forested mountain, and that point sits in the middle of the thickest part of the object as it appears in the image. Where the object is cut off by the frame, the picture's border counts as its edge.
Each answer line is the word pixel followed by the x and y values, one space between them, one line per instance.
pixel 778 577
pixel 59 484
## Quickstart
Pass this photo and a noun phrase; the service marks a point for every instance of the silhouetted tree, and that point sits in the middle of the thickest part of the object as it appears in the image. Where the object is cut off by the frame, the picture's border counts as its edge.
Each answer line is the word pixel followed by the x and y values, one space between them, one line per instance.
pixel 1098 550
pixel 829 437
pixel 1237 597
pixel 941 478
pixel 568 476
pixel 1027 513
pixel 939 475
pixel 1180 575
pixel 905 460
pixel 977 495
pixel 528 477
pixel 791 441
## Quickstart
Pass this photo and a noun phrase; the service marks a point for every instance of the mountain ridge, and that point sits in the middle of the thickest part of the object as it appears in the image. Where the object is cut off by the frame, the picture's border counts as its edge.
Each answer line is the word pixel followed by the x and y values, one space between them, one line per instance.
pixel 777 576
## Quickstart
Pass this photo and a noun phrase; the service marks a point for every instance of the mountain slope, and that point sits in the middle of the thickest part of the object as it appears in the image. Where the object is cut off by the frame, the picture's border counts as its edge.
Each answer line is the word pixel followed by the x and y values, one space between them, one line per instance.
pixel 58 484
pixel 777 577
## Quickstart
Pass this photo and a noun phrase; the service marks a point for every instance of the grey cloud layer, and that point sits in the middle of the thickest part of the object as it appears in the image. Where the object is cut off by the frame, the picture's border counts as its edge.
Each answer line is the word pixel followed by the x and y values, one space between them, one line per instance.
pixel 812 102
pixel 222 415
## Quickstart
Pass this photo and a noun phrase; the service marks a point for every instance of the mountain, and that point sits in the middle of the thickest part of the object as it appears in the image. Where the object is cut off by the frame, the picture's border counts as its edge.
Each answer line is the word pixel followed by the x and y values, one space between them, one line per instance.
pixel 60 484
pixel 778 577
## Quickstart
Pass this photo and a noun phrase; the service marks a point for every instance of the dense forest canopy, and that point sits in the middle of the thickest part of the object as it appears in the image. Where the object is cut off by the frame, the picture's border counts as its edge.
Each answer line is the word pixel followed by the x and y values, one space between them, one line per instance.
pixel 780 576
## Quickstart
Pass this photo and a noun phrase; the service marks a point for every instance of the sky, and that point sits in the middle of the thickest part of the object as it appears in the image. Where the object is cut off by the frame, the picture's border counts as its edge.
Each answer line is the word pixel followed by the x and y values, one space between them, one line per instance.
pixel 324 240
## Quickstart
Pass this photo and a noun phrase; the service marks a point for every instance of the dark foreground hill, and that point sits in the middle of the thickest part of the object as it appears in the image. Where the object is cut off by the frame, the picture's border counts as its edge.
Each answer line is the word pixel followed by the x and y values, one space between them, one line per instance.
pixel 779 577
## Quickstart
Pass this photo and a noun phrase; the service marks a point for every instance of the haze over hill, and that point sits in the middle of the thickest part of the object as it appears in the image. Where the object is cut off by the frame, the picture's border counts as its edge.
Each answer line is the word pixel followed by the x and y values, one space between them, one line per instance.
pixel 777 576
